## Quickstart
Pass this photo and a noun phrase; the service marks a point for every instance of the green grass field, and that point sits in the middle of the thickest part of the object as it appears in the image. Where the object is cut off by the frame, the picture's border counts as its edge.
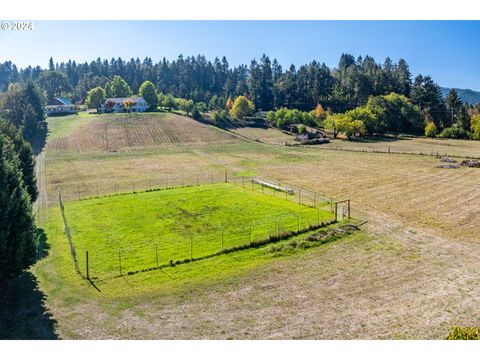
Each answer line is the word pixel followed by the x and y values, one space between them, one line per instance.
pixel 176 224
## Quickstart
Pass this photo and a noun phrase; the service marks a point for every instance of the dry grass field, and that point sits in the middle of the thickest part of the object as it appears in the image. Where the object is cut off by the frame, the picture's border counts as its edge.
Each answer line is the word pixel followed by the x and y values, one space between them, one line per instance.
pixel 409 144
pixel 411 273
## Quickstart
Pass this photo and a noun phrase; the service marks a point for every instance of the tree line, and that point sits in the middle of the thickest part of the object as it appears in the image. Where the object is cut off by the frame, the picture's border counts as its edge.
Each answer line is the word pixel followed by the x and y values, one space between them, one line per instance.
pixel 269 85
pixel 18 191
pixel 357 89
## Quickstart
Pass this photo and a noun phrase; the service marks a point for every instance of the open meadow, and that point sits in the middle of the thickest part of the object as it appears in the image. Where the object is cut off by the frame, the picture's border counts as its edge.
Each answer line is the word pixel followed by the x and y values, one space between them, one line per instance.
pixel 411 272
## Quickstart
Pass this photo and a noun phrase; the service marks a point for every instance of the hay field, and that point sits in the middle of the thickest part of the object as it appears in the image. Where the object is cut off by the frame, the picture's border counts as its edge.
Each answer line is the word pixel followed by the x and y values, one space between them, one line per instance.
pixel 105 154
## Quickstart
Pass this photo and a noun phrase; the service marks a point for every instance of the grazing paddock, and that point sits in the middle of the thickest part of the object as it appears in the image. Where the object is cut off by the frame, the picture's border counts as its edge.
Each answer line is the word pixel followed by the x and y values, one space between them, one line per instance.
pixel 134 232
pixel 410 145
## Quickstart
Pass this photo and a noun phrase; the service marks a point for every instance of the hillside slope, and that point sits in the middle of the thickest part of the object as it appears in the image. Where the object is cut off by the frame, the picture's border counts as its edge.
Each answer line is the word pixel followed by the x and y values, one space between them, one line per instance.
pixel 466 95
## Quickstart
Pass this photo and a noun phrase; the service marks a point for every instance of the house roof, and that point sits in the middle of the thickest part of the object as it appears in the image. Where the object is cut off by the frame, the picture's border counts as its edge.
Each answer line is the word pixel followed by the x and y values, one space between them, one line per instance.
pixel 64 101
pixel 121 100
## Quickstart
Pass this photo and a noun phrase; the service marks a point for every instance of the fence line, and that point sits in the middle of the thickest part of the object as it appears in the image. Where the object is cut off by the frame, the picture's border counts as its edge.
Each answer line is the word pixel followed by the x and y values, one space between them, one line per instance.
pixel 82 191
pixel 148 255
pixel 68 234
pixel 393 152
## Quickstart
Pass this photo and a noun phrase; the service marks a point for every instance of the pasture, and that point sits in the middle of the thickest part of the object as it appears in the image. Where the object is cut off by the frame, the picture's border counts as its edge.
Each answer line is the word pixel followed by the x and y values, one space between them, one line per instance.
pixel 412 272
pixel 134 232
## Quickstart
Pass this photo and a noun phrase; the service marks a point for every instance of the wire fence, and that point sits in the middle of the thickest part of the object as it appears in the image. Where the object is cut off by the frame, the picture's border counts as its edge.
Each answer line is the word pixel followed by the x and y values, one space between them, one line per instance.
pixel 388 150
pixel 107 259
pixel 85 190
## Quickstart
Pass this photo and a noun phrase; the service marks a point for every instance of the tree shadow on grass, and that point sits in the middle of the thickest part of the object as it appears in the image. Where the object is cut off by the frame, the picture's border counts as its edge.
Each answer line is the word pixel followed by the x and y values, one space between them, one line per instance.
pixel 23 314
pixel 39 140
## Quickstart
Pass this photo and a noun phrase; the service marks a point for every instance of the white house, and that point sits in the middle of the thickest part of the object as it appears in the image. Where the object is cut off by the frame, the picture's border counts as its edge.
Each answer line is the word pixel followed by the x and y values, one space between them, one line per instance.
pixel 116 105
pixel 60 106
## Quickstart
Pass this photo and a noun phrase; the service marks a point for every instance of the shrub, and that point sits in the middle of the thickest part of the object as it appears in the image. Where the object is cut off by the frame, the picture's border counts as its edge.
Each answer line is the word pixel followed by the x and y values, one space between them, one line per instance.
pixel 464 333
pixel 454 133
pixel 475 127
pixel 196 113
pixel 431 130
pixel 220 117
pixel 302 129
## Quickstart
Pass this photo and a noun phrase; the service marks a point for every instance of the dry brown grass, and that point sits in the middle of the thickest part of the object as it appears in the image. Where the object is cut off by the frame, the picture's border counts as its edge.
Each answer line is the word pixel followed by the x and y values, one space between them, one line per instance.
pixel 265 135
pixel 417 145
pixel 125 132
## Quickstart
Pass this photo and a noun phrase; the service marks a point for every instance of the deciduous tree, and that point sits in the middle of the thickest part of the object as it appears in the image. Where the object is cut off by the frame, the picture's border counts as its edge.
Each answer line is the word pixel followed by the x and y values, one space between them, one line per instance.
pixel 95 97
pixel 149 93
pixel 242 107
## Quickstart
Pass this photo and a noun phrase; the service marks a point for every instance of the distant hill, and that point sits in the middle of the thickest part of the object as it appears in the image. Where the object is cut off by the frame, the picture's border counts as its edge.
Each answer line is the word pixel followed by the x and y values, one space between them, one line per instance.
pixel 466 95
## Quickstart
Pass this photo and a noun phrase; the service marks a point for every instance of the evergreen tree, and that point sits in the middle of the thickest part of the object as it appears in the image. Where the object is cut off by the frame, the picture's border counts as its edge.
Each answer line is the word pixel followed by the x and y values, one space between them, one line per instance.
pixel 18 241
pixel 403 78
pixel 25 156
pixel 454 106
pixel 51 65
pixel 428 96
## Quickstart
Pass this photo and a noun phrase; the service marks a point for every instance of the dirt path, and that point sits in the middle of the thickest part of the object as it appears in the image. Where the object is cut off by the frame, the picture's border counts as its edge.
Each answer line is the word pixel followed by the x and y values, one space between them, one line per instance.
pixel 42 202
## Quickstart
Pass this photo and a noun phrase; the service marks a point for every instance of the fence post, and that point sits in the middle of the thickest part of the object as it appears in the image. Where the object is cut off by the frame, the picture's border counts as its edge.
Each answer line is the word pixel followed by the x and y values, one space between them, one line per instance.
pixel 286 193
pixel 120 261
pixel 331 203
pixel 156 253
pixel 222 238
pixel 336 215
pixel 191 247
pixel 226 176
pixel 97 189
pixel 348 202
pixel 299 196
pixel 86 265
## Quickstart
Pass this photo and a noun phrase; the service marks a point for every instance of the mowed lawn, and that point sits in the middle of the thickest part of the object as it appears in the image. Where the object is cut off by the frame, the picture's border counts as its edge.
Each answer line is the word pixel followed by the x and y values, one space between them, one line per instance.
pixel 132 232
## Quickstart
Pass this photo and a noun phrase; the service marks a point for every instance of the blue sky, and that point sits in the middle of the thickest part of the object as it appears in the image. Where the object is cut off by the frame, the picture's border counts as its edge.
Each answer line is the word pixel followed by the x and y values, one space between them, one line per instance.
pixel 446 50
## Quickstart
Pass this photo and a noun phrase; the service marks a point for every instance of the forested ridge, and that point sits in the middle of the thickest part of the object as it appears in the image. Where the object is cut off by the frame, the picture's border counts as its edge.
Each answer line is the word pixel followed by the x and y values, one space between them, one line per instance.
pixel 194 77
pixel 371 97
